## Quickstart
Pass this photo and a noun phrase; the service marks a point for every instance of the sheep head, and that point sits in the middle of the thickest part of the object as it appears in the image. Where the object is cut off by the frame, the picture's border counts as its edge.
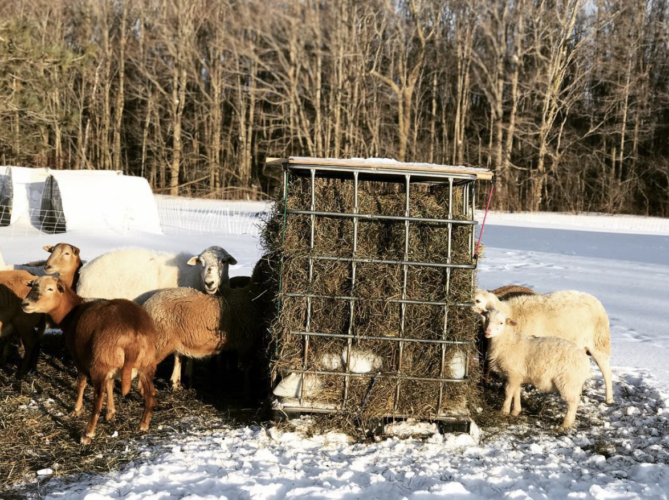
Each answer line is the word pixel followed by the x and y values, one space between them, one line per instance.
pixel 495 323
pixel 44 295
pixel 64 257
pixel 215 262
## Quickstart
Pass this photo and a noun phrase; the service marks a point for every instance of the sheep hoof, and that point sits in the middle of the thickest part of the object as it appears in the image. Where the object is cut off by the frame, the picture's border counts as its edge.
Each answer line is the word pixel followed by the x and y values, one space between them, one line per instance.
pixel 76 413
pixel 515 413
pixel 176 387
pixel 86 439
pixel 609 401
pixel 143 427
pixel 504 413
pixel 110 415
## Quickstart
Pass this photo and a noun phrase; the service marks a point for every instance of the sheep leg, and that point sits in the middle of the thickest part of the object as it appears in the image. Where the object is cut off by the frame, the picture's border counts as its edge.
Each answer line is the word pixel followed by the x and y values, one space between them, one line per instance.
pixel 516 401
pixel 175 379
pixel 100 386
pixel 7 347
pixel 189 371
pixel 111 407
pixel 486 362
pixel 149 399
pixel 510 391
pixel 81 385
pixel 572 406
pixel 31 350
pixel 602 361
pixel 39 335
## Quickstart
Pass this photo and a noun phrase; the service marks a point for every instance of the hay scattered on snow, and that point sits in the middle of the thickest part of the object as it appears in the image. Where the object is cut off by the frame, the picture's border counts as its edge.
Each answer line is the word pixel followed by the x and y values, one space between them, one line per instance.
pixel 37 433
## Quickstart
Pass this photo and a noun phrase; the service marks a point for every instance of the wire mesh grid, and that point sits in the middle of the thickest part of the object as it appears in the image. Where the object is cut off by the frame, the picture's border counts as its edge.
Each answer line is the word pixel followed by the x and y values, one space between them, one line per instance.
pixel 186 216
pixel 33 222
pixel 306 403
pixel 177 217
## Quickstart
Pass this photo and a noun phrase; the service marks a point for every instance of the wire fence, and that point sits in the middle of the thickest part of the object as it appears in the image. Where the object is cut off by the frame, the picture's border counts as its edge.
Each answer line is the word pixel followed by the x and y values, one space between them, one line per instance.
pixel 177 216
pixel 194 216
pixel 34 222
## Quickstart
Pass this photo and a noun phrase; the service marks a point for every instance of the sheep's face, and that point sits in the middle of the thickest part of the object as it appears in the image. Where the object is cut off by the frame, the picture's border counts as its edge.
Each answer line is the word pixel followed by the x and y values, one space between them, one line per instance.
pixel 44 296
pixel 64 257
pixel 481 301
pixel 215 262
pixel 495 322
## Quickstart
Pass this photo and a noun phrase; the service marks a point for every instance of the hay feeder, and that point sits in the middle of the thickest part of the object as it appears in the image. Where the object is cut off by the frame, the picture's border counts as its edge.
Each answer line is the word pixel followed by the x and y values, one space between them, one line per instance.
pixel 377 274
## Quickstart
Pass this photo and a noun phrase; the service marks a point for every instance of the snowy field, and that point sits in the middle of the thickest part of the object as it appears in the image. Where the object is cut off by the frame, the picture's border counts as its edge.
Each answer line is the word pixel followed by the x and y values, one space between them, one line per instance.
pixel 616 452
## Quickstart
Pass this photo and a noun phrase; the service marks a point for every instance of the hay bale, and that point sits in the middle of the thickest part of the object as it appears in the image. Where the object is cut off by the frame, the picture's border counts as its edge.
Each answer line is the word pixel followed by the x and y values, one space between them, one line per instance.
pixel 374 287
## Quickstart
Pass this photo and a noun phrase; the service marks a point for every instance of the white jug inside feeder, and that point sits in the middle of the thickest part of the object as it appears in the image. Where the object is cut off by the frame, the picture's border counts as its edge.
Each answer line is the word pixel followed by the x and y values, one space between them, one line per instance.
pixel 362 361
pixel 291 386
pixel 458 365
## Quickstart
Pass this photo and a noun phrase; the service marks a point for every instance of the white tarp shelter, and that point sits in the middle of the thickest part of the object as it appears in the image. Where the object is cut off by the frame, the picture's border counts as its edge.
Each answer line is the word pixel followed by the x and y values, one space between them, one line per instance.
pixel 92 201
pixel 21 193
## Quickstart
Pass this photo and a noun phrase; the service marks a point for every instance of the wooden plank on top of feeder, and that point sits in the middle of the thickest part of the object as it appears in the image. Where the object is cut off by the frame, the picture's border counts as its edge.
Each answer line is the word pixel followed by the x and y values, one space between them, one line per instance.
pixel 483 174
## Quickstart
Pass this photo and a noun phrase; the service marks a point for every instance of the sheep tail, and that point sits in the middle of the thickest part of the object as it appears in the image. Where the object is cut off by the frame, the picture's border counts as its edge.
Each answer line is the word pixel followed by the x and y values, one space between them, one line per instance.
pixel 603 334
pixel 126 375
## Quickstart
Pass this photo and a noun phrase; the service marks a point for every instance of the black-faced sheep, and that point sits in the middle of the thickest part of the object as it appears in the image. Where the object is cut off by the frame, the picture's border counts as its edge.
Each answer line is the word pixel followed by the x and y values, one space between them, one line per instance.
pixel 549 363
pixel 136 274
pixel 570 315
pixel 108 339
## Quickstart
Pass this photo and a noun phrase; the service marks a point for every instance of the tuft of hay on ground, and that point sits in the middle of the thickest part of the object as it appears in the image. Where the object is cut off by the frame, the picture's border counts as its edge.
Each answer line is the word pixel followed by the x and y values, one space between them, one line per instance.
pixel 373 287
pixel 38 433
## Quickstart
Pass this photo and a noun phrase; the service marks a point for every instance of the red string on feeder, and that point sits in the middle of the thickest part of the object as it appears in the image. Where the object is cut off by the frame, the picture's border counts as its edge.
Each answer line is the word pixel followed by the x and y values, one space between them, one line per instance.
pixel 485 216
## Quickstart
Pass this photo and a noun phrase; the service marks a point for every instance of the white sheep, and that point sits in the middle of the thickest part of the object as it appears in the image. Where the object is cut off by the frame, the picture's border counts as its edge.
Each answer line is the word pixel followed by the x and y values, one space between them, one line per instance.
pixel 575 316
pixel 549 363
pixel 485 300
pixel 136 274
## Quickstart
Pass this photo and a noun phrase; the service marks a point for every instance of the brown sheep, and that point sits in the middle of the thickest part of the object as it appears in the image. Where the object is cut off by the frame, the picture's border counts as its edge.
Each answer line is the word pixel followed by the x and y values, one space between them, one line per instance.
pixel 64 261
pixel 29 327
pixel 194 324
pixel 108 339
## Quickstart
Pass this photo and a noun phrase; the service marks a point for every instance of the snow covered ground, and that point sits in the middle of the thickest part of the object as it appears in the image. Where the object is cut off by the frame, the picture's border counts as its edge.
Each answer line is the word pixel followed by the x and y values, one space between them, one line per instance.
pixel 619 452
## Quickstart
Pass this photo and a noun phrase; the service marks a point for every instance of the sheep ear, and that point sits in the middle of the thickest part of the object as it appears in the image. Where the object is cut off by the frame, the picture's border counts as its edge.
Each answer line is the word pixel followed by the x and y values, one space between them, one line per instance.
pixel 511 322
pixel 60 286
pixel 231 260
pixel 29 283
pixel 48 248
pixel 193 260
pixel 75 250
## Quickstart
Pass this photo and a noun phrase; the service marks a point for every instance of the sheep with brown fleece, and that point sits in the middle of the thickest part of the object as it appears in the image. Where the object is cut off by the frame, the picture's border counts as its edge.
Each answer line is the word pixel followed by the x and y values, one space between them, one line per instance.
pixel 191 323
pixel 108 339
pixel 549 363
pixel 29 327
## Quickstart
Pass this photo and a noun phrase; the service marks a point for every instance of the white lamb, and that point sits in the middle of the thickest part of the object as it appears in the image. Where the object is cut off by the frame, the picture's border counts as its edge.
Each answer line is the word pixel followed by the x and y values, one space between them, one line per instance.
pixel 575 316
pixel 549 363
pixel 136 274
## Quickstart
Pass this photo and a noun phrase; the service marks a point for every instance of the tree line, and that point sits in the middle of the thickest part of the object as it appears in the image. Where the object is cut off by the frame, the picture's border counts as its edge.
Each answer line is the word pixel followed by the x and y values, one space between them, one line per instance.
pixel 567 100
